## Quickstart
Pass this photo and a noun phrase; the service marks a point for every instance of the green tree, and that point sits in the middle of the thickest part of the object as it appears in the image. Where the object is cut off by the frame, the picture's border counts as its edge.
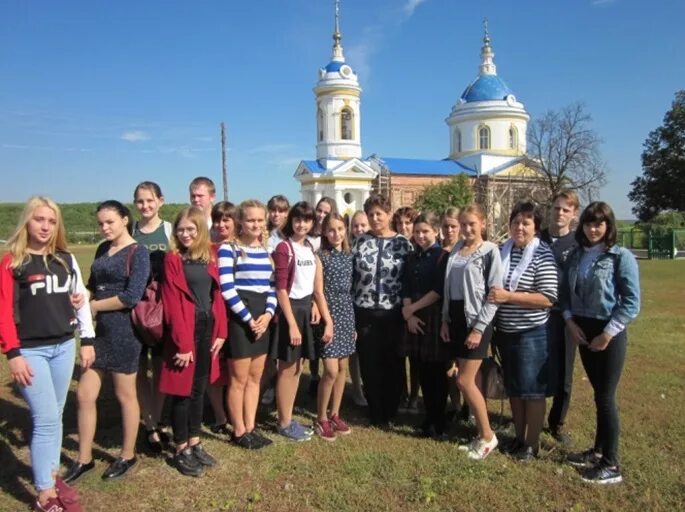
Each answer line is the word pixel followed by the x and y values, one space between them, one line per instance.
pixel 437 198
pixel 662 184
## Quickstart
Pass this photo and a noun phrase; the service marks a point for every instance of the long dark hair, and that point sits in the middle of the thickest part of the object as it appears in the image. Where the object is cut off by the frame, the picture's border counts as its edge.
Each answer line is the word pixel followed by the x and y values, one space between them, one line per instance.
pixel 598 211
pixel 301 210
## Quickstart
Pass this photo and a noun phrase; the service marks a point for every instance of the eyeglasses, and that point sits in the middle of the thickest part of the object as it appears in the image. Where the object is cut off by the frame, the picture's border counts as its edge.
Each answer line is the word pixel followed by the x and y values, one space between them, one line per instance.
pixel 190 231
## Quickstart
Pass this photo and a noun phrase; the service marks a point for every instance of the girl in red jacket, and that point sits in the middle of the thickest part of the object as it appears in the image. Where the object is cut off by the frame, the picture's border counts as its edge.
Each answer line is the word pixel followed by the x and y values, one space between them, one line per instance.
pixel 196 327
pixel 38 282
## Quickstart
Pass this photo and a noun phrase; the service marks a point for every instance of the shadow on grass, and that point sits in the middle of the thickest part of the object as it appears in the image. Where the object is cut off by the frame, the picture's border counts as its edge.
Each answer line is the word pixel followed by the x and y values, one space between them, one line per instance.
pixel 15 473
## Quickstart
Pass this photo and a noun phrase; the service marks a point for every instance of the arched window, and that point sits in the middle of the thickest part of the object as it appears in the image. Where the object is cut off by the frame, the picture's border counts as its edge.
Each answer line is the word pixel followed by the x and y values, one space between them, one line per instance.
pixel 513 138
pixel 319 116
pixel 484 137
pixel 457 140
pixel 346 124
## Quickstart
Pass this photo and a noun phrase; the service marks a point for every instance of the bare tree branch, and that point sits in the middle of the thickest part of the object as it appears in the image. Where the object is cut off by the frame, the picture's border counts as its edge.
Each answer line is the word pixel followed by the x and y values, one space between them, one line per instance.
pixel 566 150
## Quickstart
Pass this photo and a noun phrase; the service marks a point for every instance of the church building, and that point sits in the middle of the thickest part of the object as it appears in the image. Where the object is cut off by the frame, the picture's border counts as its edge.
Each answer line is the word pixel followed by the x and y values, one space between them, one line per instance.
pixel 487 142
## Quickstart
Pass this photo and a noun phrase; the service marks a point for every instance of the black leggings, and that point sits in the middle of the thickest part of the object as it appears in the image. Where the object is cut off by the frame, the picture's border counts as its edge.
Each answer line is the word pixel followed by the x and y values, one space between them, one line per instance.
pixel 562 357
pixel 433 378
pixel 378 343
pixel 604 372
pixel 186 411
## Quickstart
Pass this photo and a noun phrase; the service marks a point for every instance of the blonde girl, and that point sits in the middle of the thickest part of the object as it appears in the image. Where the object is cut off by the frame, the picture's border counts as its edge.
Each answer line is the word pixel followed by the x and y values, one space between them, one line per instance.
pixel 195 321
pixel 247 286
pixel 39 282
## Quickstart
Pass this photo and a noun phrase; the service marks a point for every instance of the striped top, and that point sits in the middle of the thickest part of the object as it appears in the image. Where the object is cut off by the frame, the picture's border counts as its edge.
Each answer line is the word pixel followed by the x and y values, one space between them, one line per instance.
pixel 252 270
pixel 539 277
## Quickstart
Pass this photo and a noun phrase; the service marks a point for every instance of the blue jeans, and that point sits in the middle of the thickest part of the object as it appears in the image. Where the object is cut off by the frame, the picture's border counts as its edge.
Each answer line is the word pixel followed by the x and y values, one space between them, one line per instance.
pixel 52 367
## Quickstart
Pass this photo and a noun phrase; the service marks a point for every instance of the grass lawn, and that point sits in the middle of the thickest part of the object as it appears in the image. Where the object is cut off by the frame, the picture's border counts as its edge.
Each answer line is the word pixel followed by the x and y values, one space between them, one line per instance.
pixel 378 470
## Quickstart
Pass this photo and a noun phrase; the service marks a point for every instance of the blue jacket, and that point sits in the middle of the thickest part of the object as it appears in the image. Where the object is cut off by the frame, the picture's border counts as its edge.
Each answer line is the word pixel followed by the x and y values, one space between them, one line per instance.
pixel 611 291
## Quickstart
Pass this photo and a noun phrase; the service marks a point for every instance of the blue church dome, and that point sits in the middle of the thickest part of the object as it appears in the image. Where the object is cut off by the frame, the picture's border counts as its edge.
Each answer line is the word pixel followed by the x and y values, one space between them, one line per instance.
pixel 486 88
pixel 333 66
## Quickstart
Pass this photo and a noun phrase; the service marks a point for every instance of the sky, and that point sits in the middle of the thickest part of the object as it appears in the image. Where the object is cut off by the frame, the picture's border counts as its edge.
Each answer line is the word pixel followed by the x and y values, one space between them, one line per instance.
pixel 96 96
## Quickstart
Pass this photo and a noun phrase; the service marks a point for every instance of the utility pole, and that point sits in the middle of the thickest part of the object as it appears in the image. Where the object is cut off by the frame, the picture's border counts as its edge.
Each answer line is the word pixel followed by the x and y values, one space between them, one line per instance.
pixel 224 173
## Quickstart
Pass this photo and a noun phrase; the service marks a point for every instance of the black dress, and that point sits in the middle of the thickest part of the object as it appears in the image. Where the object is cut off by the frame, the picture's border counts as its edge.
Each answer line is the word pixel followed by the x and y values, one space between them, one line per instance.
pixel 124 275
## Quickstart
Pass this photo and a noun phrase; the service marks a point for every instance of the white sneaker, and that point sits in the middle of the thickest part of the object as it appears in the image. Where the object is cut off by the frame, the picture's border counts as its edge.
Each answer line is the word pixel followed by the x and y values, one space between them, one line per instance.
pixel 483 448
pixel 268 396
pixel 468 446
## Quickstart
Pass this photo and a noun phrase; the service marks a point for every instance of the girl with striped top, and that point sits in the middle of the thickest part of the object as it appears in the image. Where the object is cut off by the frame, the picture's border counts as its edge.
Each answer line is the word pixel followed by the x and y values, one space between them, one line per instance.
pixel 530 288
pixel 247 285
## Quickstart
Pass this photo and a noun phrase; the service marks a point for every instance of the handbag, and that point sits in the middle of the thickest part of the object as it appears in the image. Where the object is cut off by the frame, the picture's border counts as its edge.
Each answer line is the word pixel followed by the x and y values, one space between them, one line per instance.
pixel 147 315
pixel 493 378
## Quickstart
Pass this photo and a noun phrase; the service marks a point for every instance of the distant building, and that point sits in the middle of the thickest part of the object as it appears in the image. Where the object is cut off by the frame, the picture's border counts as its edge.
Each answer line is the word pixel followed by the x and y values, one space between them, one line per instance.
pixel 487 134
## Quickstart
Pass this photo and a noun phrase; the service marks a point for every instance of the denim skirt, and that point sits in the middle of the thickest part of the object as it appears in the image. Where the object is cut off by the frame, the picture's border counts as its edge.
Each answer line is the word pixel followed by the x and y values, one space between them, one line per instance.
pixel 525 362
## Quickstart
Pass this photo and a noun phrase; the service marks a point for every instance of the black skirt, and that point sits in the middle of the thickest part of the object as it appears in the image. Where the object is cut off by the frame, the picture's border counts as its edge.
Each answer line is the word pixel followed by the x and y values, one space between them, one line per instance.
pixel 427 347
pixel 282 349
pixel 241 341
pixel 459 330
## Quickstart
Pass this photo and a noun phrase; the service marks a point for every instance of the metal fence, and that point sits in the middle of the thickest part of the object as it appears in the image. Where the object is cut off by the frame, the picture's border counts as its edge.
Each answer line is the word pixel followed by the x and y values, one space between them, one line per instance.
pixel 656 244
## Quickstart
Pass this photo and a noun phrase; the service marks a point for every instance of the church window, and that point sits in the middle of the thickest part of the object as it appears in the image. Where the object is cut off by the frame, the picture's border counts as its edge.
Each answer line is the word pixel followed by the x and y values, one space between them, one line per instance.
pixel 484 137
pixel 346 124
pixel 513 138
pixel 319 116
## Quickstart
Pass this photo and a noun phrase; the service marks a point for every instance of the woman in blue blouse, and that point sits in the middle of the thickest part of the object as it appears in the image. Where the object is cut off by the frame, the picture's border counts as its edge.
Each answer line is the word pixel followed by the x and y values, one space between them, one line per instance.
pixel 600 295
pixel 379 258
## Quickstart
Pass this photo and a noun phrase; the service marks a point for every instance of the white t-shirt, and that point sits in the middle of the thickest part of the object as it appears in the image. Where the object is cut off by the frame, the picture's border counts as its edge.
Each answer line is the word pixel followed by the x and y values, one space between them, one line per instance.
pixel 305 271
pixel 315 241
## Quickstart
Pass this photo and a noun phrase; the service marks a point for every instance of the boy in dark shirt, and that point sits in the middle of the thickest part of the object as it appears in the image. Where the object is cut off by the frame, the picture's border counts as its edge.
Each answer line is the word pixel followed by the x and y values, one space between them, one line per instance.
pixel 561 238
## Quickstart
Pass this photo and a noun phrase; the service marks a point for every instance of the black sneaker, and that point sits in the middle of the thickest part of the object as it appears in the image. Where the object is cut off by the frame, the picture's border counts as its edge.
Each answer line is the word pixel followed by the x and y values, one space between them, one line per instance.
pixel 202 456
pixel 603 474
pixel 187 464
pixel 584 459
pixel 119 468
pixel 247 441
pixel 221 429
pixel 525 454
pixel 260 438
pixel 560 436
pixel 77 470
pixel 511 446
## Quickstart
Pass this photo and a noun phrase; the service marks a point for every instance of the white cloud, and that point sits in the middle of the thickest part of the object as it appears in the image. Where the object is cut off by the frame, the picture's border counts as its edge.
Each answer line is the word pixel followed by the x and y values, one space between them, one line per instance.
pixel 411 6
pixel 134 136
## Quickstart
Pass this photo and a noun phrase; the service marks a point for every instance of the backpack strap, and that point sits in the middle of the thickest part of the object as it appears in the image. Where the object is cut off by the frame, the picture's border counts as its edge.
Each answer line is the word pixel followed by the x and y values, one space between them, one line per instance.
pixel 131 249
pixel 168 228
pixel 291 263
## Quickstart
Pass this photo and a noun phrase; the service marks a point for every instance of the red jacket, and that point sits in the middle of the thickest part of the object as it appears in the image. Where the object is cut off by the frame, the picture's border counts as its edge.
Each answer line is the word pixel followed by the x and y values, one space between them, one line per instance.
pixel 179 326
pixel 9 338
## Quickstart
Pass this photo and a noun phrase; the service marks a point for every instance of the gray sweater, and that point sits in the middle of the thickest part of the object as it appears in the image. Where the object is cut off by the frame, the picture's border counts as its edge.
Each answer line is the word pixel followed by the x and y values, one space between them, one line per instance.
pixel 478 311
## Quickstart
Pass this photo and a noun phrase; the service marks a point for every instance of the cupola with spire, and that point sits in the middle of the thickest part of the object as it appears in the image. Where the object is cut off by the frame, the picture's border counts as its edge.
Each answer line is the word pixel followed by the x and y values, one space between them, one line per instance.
pixel 337 93
pixel 487 117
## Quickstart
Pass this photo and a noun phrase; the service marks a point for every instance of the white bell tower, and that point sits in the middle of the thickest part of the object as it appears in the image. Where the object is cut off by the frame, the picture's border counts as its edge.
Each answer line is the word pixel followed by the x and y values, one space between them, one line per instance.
pixel 338 171
pixel 338 119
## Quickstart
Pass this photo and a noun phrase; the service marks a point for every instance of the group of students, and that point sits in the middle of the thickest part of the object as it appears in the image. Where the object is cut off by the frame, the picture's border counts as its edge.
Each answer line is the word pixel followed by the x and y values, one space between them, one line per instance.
pixel 250 292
